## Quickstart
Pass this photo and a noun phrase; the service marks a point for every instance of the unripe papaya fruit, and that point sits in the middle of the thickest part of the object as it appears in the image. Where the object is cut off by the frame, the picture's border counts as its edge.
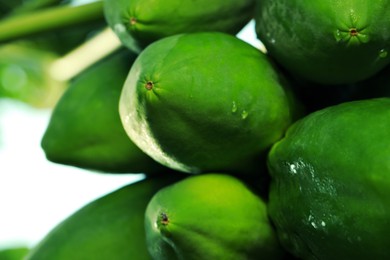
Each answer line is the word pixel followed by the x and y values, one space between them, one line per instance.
pixel 141 22
pixel 209 216
pixel 326 41
pixel 204 102
pixel 14 253
pixel 330 190
pixel 111 227
pixel 85 129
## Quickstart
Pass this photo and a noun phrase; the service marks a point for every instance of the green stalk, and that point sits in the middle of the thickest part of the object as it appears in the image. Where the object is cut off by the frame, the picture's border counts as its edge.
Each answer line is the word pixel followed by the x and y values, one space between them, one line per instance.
pixel 50 19
pixel 82 57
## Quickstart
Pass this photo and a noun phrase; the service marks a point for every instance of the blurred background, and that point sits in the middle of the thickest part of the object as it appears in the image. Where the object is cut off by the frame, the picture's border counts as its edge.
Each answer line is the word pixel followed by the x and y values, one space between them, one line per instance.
pixel 35 194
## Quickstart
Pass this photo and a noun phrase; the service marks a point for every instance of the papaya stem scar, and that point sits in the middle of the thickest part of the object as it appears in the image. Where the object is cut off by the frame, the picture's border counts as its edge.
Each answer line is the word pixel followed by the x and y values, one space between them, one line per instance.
pixel 353 32
pixel 149 85
pixel 164 219
pixel 133 20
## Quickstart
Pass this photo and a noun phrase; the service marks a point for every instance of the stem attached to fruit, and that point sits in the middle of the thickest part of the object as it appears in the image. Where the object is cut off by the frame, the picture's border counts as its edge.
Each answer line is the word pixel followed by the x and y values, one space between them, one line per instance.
pixel 21 26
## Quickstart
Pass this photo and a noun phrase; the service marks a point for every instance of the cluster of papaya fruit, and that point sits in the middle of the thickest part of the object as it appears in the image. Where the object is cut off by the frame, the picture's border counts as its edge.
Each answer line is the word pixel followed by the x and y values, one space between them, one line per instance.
pixel 283 154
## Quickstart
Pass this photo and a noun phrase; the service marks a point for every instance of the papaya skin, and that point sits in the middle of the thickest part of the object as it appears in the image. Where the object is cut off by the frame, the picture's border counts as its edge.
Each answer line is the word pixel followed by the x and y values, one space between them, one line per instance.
pixel 209 216
pixel 330 189
pixel 204 102
pixel 328 42
pixel 109 227
pixel 85 130
pixel 141 22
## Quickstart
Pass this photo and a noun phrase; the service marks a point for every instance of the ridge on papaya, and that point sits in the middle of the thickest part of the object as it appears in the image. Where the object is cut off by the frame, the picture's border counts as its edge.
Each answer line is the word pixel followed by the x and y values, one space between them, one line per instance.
pixel 331 42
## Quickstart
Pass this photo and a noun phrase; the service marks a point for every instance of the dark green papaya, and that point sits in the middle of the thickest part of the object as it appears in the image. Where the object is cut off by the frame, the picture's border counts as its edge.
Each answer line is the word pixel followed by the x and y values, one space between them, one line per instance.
pixel 209 216
pixel 326 41
pixel 111 227
pixel 85 129
pixel 141 22
pixel 330 190
pixel 205 102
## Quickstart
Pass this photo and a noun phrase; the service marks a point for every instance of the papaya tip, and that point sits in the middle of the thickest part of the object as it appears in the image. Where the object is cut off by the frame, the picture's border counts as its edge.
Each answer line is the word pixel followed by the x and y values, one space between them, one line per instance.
pixel 353 32
pixel 133 20
pixel 149 85
pixel 164 219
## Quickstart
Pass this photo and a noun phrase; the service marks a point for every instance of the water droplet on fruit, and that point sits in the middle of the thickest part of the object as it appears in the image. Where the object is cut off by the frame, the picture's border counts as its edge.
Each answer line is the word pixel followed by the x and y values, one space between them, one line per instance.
pixel 314 225
pixel 273 41
pixel 338 35
pixel 293 168
pixel 382 53
pixel 234 107
pixel 244 114
pixel 323 223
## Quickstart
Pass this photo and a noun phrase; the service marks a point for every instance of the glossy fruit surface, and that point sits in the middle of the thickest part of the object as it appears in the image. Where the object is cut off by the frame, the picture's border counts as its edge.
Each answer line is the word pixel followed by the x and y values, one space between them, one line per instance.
pixel 330 190
pixel 209 216
pixel 326 41
pixel 204 102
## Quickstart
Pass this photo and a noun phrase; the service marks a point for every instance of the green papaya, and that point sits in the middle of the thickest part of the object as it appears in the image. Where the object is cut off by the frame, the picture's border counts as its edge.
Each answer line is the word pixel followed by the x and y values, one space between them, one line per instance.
pixel 326 41
pixel 330 189
pixel 204 102
pixel 85 129
pixel 141 22
pixel 209 216
pixel 111 227
pixel 13 253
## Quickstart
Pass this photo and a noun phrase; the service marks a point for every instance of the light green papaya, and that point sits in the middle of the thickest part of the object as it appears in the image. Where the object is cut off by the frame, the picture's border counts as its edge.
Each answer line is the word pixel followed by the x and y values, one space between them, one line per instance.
pixel 13 253
pixel 205 102
pixel 85 129
pixel 141 22
pixel 111 227
pixel 330 190
pixel 326 41
pixel 209 216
